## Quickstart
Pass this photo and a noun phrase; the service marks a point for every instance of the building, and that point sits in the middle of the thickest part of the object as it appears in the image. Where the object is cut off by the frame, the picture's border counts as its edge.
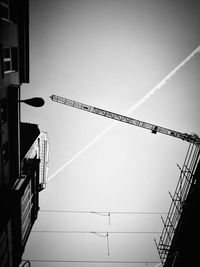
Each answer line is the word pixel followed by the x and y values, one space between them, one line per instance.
pixel 14 70
pixel 25 192
pixel 178 245
pixel 23 148
pixel 14 57
pixel 20 202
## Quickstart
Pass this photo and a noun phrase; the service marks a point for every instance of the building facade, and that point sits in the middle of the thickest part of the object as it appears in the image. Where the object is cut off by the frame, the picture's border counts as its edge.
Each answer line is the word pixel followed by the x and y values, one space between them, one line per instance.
pixel 23 148
pixel 14 59
pixel 20 203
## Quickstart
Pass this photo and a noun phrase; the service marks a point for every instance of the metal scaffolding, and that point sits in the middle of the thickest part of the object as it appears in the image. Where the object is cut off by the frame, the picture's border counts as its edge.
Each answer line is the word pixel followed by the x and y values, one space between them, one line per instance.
pixel 185 182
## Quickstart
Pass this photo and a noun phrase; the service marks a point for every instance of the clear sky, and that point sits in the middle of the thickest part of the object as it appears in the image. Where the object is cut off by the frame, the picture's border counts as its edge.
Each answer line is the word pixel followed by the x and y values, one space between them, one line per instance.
pixel 110 54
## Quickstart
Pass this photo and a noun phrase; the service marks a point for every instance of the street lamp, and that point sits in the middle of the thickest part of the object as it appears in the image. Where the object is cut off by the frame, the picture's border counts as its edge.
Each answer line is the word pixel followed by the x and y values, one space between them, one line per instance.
pixel 35 101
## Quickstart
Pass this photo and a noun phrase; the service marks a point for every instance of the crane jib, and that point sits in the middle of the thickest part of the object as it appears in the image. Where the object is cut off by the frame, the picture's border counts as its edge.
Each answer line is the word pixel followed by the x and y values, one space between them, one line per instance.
pixel 111 115
pixel 142 124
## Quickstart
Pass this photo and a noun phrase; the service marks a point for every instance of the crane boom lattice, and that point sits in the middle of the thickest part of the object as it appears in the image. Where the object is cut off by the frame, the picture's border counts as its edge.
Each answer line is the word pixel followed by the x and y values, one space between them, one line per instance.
pixel 118 117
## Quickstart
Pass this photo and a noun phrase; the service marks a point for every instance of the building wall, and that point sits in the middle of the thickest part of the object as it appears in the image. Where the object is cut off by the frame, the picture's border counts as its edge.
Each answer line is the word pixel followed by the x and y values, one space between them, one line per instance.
pixel 6 245
pixel 23 148
pixel 14 70
pixel 25 197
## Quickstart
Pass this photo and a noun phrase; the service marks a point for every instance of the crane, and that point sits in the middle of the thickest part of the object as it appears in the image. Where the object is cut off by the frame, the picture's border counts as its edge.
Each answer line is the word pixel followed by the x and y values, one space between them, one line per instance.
pixel 192 138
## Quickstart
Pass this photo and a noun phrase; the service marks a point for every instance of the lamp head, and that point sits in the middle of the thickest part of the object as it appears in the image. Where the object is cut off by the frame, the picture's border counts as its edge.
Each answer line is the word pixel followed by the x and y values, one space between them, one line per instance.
pixel 35 101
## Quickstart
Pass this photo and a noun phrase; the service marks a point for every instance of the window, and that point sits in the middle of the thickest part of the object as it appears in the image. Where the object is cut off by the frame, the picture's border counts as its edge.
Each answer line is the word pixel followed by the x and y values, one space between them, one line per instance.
pixel 10 59
pixel 5 10
pixel 26 206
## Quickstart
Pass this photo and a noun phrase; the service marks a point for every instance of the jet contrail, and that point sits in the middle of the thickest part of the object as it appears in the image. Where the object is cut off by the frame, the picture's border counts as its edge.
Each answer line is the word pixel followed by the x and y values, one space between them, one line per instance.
pixel 129 111
pixel 163 81
pixel 83 150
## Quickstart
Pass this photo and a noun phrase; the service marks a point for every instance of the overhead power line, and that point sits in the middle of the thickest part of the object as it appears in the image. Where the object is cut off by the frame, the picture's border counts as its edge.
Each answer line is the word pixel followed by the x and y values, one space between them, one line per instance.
pixel 104 212
pixel 93 261
pixel 99 234
pixel 93 232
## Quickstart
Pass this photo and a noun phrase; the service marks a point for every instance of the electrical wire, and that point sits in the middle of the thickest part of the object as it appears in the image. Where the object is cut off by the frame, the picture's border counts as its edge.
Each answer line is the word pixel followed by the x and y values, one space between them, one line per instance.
pixel 108 244
pixel 92 232
pixel 104 212
pixel 99 234
pixel 107 239
pixel 93 261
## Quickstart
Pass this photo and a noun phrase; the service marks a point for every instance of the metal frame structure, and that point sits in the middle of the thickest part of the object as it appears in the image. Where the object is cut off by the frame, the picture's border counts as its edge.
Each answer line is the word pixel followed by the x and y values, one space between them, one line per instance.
pixel 185 182
pixel 111 115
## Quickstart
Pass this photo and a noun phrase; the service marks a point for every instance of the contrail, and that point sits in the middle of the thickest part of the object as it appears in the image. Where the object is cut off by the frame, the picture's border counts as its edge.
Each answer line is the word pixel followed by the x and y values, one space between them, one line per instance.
pixel 129 111
pixel 83 150
pixel 163 81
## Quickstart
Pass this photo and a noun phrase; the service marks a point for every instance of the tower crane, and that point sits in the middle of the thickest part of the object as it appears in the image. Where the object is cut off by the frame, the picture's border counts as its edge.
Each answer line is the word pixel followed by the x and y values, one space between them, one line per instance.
pixel 192 138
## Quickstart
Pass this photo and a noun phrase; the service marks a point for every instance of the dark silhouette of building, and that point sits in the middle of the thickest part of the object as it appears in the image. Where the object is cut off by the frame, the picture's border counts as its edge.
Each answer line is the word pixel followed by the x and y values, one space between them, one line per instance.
pixel 20 200
pixel 23 148
pixel 179 242
pixel 14 70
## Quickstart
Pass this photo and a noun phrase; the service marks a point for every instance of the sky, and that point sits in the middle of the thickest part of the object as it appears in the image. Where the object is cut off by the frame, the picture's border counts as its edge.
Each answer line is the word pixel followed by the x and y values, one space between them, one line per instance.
pixel 110 54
